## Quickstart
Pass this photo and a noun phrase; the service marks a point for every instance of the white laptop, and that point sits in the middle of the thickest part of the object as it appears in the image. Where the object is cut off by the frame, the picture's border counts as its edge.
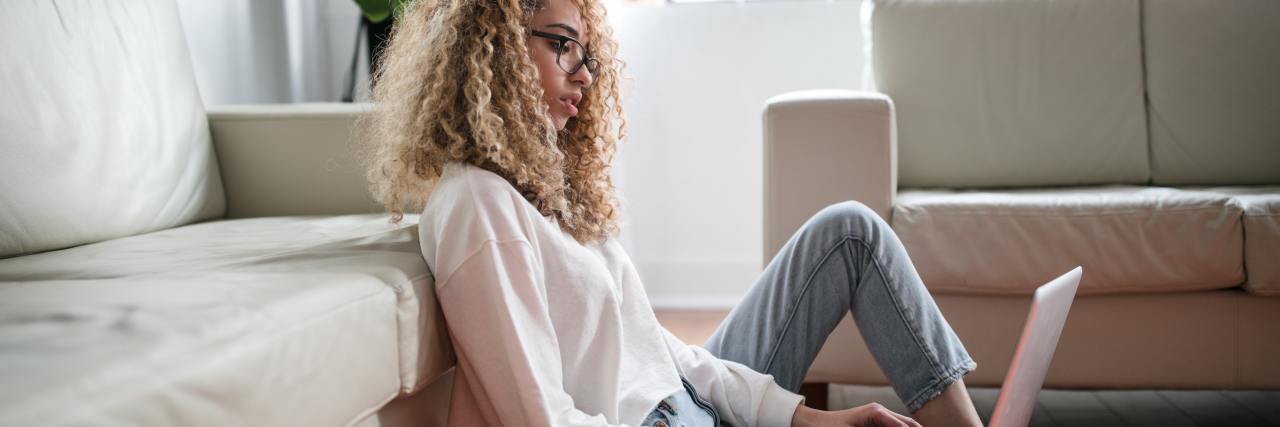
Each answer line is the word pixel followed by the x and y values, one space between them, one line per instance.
pixel 1035 350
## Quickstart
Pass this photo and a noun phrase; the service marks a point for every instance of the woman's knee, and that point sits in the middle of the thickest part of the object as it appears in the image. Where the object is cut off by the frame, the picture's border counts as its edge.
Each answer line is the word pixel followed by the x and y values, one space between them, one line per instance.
pixel 848 217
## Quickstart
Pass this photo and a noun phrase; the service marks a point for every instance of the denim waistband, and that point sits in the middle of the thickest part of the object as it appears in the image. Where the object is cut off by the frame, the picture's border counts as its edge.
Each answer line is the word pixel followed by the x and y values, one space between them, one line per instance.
pixel 683 409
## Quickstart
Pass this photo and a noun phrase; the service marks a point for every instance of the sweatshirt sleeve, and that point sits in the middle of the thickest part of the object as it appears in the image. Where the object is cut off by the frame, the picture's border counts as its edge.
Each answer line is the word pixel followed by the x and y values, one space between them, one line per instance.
pixel 496 307
pixel 741 395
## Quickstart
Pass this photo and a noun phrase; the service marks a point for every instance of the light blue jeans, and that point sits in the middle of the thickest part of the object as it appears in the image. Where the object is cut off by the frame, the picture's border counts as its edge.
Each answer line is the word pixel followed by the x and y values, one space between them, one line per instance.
pixel 844 259
pixel 683 409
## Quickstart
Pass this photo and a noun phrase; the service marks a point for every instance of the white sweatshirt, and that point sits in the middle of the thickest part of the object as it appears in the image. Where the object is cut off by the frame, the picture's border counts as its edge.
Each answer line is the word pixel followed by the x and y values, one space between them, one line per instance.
pixel 551 332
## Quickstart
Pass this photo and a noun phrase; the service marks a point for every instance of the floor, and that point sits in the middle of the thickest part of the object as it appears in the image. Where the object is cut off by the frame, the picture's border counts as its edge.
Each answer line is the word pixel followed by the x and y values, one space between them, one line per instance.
pixel 1108 408
pixel 1056 407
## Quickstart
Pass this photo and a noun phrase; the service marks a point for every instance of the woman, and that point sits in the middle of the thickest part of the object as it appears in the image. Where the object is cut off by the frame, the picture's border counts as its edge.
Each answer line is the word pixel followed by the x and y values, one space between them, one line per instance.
pixel 499 117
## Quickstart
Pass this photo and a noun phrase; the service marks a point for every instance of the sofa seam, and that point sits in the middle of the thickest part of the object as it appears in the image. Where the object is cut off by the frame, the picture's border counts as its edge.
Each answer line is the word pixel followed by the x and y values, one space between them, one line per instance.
pixel 368 412
pixel 273 254
pixel 418 380
pixel 1147 110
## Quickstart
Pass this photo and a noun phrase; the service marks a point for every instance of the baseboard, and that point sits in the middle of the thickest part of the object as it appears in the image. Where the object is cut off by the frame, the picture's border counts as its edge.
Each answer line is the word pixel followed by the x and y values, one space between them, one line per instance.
pixel 704 303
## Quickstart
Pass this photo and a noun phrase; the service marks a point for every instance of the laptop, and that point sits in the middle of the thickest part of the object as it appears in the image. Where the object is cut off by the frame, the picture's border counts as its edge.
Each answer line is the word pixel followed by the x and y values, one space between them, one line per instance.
pixel 1022 383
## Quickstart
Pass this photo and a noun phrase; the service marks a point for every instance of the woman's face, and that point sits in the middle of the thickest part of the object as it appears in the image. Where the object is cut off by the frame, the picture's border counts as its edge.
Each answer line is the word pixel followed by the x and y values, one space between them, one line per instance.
pixel 561 90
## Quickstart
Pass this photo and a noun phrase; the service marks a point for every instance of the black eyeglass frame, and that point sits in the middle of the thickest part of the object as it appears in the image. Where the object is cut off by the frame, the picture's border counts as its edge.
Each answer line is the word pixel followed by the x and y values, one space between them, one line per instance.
pixel 593 65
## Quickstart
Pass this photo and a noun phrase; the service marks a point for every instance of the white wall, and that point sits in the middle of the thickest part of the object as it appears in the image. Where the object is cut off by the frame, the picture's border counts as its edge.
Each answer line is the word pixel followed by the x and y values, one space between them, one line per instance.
pixel 690 172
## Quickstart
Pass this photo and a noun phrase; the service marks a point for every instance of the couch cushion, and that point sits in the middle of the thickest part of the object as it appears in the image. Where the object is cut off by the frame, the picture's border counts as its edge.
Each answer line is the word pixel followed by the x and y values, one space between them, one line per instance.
pixel 221 323
pixel 1129 239
pixel 1184 340
pixel 995 93
pixel 1261 236
pixel 102 128
pixel 1213 79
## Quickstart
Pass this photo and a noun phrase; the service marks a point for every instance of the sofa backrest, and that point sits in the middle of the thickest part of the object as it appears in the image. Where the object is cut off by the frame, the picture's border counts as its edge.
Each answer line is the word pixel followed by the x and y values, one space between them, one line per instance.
pixel 1011 93
pixel 1213 84
pixel 102 129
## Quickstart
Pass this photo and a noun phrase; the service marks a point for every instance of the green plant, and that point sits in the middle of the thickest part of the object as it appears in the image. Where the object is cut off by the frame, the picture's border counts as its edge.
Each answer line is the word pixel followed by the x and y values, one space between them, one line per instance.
pixel 377 11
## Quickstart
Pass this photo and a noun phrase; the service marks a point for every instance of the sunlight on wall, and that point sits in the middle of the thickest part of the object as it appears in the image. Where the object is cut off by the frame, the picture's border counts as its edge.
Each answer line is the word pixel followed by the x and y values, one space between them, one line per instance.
pixel 691 170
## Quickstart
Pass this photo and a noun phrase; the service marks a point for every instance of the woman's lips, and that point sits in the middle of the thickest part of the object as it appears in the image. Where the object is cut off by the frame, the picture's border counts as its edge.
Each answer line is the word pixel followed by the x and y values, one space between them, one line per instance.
pixel 573 111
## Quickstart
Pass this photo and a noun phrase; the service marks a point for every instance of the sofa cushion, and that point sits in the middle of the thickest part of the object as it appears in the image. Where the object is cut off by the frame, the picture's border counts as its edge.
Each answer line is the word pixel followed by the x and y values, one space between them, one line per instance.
pixel 1214 89
pixel 994 93
pixel 1129 239
pixel 270 321
pixel 1261 236
pixel 102 130
pixel 1184 340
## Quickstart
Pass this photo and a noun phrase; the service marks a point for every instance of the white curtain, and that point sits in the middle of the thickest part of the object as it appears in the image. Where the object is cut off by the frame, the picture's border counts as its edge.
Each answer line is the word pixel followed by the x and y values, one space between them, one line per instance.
pixel 272 51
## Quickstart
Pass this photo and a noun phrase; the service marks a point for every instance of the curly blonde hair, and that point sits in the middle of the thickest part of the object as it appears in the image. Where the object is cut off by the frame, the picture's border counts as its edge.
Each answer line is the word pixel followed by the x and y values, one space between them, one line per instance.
pixel 456 84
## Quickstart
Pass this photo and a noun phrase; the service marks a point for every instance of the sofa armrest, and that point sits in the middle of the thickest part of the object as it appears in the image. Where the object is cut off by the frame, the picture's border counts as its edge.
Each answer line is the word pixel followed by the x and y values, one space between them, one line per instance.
pixel 822 147
pixel 290 159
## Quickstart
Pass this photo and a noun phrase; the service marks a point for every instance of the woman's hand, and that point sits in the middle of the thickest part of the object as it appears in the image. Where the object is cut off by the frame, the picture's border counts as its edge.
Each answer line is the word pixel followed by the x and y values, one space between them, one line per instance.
pixel 870 415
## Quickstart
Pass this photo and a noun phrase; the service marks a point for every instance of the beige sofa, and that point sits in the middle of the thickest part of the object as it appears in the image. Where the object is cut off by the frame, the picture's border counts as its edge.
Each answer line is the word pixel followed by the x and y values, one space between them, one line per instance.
pixel 164 265
pixel 1008 141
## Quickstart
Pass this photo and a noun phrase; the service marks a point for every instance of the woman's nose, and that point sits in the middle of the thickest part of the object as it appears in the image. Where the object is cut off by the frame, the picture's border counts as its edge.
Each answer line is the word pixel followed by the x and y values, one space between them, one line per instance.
pixel 582 76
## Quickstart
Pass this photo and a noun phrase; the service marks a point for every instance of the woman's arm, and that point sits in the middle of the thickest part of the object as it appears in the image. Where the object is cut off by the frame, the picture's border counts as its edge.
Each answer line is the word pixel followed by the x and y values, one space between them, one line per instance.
pixel 495 305
pixel 865 415
pixel 746 397
pixel 741 395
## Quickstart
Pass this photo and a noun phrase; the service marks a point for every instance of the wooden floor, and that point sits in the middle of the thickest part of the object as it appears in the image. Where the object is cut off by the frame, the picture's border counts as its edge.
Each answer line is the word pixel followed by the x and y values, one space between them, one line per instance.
pixel 1108 408
pixel 1055 407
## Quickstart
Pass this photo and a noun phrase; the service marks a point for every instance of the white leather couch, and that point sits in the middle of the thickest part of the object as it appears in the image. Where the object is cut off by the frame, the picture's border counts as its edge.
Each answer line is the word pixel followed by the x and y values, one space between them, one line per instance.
pixel 164 265
pixel 1008 141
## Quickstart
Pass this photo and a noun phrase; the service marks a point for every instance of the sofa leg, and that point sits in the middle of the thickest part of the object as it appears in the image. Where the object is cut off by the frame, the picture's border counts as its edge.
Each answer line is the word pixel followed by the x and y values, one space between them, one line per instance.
pixel 815 395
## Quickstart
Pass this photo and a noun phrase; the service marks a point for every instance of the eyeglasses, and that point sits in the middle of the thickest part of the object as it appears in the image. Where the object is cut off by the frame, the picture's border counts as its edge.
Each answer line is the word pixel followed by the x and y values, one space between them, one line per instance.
pixel 570 55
